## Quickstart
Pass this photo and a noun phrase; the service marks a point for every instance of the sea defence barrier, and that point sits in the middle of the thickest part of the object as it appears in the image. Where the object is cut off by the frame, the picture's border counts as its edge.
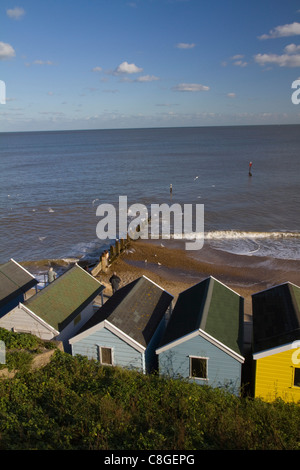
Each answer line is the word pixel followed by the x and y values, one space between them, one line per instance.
pixel 109 256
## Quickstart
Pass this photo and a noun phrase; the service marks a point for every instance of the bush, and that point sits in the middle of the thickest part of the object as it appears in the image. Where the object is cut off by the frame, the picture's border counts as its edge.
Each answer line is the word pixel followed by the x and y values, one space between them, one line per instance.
pixel 73 403
pixel 26 341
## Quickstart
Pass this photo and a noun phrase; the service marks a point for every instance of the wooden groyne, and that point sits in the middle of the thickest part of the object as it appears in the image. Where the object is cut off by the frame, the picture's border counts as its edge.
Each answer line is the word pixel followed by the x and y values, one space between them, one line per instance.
pixel 109 256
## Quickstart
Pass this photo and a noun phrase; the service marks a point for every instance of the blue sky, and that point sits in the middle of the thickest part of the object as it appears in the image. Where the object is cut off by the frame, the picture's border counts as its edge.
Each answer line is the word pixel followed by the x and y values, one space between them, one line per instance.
pixel 99 64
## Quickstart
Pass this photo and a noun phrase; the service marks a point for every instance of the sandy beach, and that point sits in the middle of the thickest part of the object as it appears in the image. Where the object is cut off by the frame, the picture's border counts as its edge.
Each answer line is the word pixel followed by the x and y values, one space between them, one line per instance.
pixel 167 263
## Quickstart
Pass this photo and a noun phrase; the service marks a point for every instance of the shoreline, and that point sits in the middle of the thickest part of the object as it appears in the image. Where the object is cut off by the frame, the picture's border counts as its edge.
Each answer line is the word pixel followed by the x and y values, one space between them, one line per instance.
pixel 167 263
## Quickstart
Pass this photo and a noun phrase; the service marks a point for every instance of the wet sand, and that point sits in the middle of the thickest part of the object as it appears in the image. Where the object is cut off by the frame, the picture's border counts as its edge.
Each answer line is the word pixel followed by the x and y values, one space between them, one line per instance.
pixel 167 263
pixel 175 269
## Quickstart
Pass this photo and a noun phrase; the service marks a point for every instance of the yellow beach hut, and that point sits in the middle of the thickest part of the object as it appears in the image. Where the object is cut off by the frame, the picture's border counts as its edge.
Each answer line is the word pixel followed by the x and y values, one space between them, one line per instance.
pixel 276 343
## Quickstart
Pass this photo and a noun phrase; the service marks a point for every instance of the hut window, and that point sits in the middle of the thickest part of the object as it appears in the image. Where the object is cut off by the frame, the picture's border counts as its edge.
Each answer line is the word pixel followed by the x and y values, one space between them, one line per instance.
pixel 297 377
pixel 198 367
pixel 106 356
pixel 77 319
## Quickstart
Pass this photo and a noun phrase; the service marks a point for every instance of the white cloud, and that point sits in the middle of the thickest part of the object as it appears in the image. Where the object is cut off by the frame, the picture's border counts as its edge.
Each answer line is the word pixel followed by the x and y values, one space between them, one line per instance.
pixel 292 29
pixel 237 61
pixel 147 78
pixel 97 69
pixel 184 45
pixel 237 57
pixel 42 62
pixel 231 95
pixel 127 68
pixel 240 63
pixel 6 51
pixel 292 49
pixel 284 60
pixel 190 87
pixel 290 58
pixel 15 13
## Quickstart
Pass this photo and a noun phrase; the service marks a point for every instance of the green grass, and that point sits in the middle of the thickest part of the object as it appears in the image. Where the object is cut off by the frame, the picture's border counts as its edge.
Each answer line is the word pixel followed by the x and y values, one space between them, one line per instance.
pixel 76 404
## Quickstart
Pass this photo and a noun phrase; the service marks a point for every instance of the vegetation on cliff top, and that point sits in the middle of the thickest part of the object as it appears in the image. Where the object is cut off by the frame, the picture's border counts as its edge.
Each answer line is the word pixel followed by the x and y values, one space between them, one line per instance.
pixel 76 404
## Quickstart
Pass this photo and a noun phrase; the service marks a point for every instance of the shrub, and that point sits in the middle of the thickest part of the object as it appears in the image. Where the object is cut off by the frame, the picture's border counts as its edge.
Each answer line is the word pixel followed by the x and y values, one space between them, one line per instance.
pixel 73 403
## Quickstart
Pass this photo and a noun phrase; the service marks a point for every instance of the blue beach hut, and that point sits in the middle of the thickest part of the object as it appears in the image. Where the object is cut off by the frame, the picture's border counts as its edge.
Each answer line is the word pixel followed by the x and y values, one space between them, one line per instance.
pixel 204 338
pixel 127 329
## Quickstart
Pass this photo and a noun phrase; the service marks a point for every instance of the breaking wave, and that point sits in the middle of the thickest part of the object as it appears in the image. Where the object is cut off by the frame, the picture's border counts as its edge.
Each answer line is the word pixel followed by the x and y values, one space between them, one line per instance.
pixel 239 234
pixel 277 244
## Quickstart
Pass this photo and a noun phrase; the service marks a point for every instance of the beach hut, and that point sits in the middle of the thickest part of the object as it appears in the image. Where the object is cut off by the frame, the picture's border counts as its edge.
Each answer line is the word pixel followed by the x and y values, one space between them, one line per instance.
pixel 276 343
pixel 15 282
pixel 59 310
pixel 204 338
pixel 126 330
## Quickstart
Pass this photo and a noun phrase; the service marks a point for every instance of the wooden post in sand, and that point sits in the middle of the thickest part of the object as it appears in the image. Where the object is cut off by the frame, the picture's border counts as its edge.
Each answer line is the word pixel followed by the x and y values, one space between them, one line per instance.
pixel 104 262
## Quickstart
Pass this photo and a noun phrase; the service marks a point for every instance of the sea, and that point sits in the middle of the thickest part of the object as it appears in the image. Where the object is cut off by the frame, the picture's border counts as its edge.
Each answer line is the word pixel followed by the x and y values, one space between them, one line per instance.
pixel 52 184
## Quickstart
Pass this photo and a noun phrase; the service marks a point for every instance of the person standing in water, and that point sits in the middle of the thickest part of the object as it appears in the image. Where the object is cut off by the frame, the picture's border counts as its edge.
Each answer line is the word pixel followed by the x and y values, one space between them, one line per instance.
pixel 51 275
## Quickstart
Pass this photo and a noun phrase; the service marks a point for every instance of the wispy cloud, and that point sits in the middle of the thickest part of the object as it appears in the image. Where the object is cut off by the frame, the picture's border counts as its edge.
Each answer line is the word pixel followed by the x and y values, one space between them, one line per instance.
pixel 286 30
pixel 142 79
pixel 284 60
pixel 191 87
pixel 43 62
pixel 97 69
pixel 110 91
pixel 236 60
pixel 240 63
pixel 185 45
pixel 147 78
pixel 290 58
pixel 15 13
pixel 6 51
pixel 39 62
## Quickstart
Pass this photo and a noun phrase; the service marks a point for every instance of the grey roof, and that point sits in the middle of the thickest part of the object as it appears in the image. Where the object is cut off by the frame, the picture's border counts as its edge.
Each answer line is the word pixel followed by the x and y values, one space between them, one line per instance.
pixel 276 316
pixel 212 307
pixel 14 280
pixel 136 309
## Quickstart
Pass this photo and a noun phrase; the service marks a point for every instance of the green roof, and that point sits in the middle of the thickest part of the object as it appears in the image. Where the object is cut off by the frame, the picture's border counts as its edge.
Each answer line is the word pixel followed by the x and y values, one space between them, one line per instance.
pixel 63 299
pixel 14 280
pixel 212 307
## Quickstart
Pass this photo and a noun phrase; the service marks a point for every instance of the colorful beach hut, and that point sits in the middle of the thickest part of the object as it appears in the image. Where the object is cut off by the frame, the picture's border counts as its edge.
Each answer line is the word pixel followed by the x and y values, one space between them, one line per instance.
pixel 59 310
pixel 204 338
pixel 276 343
pixel 15 282
pixel 126 330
